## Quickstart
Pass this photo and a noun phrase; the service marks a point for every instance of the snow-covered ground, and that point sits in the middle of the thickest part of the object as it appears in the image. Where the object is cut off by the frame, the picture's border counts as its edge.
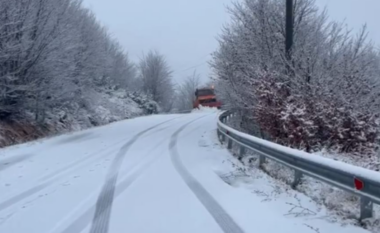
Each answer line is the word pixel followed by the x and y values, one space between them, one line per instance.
pixel 341 204
pixel 154 174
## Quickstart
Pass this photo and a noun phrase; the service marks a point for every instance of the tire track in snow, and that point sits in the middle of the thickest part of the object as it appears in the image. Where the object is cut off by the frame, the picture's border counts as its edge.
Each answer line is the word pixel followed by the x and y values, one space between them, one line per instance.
pixel 88 159
pixel 21 196
pixel 85 218
pixel 14 160
pixel 100 222
pixel 80 162
pixel 224 220
pixel 51 178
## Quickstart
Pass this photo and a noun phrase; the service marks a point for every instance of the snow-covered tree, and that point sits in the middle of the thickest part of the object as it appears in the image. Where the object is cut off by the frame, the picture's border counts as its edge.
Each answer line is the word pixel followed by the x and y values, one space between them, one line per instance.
pixel 330 97
pixel 186 92
pixel 156 79
pixel 59 65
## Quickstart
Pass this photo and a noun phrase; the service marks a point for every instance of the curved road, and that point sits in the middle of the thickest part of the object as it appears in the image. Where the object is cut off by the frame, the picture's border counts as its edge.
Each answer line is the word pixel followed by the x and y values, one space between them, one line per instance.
pixel 126 177
pixel 156 174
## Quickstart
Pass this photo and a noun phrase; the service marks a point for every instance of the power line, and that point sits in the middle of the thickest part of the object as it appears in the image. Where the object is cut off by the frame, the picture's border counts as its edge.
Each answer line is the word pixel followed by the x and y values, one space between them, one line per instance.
pixel 194 66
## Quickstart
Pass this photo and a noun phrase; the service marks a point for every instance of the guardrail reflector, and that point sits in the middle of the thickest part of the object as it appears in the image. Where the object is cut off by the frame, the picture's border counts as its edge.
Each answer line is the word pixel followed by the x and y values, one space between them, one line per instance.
pixel 359 185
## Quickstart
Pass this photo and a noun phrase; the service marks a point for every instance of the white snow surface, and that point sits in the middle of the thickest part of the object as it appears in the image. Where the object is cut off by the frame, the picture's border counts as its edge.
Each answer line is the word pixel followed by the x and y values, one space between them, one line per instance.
pixel 205 109
pixel 171 178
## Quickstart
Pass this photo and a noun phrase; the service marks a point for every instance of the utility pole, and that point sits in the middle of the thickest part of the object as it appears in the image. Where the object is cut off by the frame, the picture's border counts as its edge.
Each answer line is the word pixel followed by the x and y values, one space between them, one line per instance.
pixel 289 29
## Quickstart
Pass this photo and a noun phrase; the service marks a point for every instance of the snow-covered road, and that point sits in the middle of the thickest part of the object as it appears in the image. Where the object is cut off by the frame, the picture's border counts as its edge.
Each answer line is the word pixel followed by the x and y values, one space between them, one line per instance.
pixel 156 174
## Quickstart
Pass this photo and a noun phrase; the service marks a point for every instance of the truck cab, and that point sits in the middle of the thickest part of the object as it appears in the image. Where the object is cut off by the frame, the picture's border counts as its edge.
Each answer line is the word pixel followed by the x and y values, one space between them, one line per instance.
pixel 206 97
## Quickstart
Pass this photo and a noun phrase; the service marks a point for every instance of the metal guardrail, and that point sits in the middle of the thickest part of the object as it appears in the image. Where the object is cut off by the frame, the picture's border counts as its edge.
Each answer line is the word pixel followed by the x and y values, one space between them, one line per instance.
pixel 356 180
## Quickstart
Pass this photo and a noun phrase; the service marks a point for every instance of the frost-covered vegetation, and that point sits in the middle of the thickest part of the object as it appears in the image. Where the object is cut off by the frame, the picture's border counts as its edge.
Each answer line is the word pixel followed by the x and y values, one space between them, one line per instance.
pixel 60 70
pixel 325 98
pixel 186 92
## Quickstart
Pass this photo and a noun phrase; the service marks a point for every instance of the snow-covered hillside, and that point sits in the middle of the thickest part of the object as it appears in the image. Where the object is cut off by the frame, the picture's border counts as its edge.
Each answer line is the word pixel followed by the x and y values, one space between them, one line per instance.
pixel 99 109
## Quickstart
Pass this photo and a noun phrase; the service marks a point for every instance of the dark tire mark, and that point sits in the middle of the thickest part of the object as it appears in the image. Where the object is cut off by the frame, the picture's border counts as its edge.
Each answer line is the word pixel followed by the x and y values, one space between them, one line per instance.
pixel 51 178
pixel 78 162
pixel 76 138
pixel 81 223
pixel 13 160
pixel 48 180
pixel 82 160
pixel 100 222
pixel 226 223
pixel 22 196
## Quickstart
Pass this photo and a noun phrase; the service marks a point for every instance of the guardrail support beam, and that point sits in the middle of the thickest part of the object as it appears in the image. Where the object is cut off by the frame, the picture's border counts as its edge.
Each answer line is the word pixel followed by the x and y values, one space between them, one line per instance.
pixel 261 160
pixel 241 151
pixel 221 136
pixel 366 208
pixel 229 145
pixel 297 178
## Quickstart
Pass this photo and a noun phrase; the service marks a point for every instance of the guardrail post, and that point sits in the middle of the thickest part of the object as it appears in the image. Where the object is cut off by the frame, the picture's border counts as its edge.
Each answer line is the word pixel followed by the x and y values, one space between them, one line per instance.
pixel 261 160
pixel 223 137
pixel 297 178
pixel 241 151
pixel 229 145
pixel 366 208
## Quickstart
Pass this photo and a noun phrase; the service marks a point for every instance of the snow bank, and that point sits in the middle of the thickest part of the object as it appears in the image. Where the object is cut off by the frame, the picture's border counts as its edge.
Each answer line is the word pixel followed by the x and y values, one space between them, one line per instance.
pixel 205 109
pixel 341 204
pixel 254 199
pixel 98 108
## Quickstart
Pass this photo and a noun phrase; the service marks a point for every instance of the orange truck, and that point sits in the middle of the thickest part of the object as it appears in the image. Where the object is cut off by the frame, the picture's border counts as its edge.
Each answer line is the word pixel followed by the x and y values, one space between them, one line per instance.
pixel 206 97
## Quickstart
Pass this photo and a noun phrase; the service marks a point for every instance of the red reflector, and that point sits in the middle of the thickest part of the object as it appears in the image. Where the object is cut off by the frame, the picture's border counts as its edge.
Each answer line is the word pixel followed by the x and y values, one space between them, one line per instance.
pixel 359 185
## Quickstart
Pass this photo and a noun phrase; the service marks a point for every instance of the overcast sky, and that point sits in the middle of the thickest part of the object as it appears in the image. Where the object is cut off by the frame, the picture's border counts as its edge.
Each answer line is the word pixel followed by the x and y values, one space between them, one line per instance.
pixel 185 30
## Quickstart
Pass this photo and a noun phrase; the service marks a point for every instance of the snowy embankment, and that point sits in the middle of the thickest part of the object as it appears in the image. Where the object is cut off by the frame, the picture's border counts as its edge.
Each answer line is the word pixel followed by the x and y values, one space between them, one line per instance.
pixel 169 171
pixel 340 204
pixel 101 108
